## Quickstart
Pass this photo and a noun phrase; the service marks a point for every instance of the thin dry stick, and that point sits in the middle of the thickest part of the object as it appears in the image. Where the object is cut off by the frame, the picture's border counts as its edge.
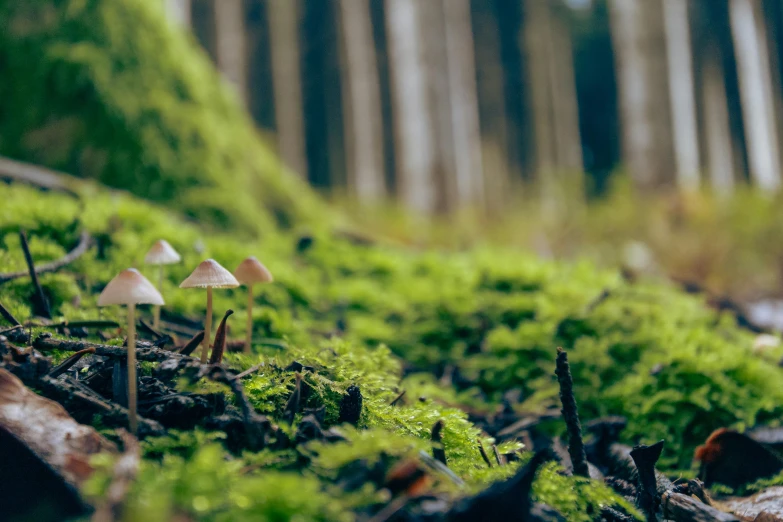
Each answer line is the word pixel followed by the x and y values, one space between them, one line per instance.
pixel 484 453
pixel 576 448
pixel 81 248
pixel 437 437
pixel 191 345
pixel 249 371
pixel 43 304
pixel 498 457
pixel 8 316
pixel 69 362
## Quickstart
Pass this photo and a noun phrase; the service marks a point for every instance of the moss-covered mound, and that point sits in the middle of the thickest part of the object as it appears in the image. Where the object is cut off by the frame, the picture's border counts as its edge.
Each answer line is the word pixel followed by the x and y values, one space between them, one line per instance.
pixel 109 90
pixel 388 320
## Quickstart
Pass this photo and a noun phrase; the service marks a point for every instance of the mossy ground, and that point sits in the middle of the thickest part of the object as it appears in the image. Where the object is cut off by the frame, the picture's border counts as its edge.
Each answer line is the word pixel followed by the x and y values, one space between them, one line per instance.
pixel 108 90
pixel 389 319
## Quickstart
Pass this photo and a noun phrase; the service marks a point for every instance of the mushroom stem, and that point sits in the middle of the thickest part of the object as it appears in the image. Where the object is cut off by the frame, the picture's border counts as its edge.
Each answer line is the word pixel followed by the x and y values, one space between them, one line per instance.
pixel 249 333
pixel 132 420
pixel 156 310
pixel 207 327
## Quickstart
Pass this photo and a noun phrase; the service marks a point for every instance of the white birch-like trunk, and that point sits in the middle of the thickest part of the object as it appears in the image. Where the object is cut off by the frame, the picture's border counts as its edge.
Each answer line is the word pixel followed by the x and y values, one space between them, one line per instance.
pixel 682 93
pixel 756 94
pixel 720 160
pixel 179 12
pixel 414 142
pixel 362 100
pixel 464 102
pixel 638 41
pixel 287 83
pixel 230 43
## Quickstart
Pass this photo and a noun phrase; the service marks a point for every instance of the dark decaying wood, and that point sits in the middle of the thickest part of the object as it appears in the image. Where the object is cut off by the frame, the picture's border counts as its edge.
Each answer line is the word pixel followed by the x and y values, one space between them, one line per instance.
pixel 645 458
pixel 682 508
pixel 76 397
pixel 437 438
pixel 576 447
pixel 144 350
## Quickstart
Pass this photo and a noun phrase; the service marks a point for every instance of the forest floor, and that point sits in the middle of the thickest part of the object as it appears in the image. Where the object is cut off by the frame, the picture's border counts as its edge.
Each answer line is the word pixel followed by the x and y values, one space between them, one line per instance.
pixel 383 384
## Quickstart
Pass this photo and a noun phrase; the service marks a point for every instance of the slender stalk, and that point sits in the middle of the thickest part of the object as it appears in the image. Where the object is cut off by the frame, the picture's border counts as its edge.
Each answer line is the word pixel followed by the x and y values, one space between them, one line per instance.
pixel 132 420
pixel 249 333
pixel 207 327
pixel 156 310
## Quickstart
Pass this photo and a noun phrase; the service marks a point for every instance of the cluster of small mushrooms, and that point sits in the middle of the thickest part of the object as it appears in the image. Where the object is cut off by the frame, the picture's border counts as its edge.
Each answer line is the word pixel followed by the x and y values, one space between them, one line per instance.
pixel 131 288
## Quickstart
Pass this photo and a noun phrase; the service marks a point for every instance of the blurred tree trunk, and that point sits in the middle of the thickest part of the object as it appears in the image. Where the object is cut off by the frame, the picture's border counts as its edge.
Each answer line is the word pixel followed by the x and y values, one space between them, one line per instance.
pixel 414 142
pixel 758 109
pixel 682 92
pixel 179 11
pixel 716 124
pixel 556 139
pixel 464 102
pixel 202 19
pixel 287 81
pixel 260 100
pixel 433 38
pixel 230 43
pixel 639 43
pixel 362 99
pixel 492 107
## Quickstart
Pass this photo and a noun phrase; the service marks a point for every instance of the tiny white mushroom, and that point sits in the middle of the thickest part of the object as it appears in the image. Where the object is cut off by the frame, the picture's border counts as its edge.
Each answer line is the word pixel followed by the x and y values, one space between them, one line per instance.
pixel 209 274
pixel 249 272
pixel 130 288
pixel 161 253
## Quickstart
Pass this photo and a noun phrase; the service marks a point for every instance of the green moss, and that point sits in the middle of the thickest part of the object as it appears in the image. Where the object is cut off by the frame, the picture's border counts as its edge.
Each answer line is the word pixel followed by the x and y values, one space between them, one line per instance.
pixel 112 91
pixel 389 320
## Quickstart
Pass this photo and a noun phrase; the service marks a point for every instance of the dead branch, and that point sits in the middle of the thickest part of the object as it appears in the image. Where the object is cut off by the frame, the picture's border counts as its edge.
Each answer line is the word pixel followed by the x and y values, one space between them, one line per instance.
pixel 682 508
pixel 70 257
pixel 144 351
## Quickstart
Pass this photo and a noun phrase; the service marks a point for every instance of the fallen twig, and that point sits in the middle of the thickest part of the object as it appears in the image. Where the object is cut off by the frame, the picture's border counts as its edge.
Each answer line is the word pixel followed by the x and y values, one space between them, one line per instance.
pixel 292 406
pixel 437 438
pixel 191 345
pixel 576 447
pixel 256 426
pixel 398 398
pixel 8 316
pixel 69 362
pixel 77 397
pixel 483 453
pixel 645 458
pixel 144 352
pixel 40 304
pixel 70 257
pixel 250 371
pixel 37 176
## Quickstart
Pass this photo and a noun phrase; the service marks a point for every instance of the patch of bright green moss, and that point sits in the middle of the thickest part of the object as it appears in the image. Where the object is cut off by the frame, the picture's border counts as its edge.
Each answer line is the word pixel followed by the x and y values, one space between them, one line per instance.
pixel 676 369
pixel 111 90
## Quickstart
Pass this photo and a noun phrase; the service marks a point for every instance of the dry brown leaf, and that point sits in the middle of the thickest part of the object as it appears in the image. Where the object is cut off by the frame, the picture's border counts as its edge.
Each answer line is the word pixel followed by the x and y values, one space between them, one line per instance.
pixel 48 430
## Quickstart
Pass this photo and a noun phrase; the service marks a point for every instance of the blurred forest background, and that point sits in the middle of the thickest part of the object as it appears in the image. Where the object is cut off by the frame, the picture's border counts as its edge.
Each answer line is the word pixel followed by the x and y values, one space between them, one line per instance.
pixel 664 116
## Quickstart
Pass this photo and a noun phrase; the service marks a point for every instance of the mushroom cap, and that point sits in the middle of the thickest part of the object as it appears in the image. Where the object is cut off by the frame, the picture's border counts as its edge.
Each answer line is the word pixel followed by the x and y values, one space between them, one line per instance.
pixel 251 271
pixel 162 253
pixel 210 273
pixel 130 287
